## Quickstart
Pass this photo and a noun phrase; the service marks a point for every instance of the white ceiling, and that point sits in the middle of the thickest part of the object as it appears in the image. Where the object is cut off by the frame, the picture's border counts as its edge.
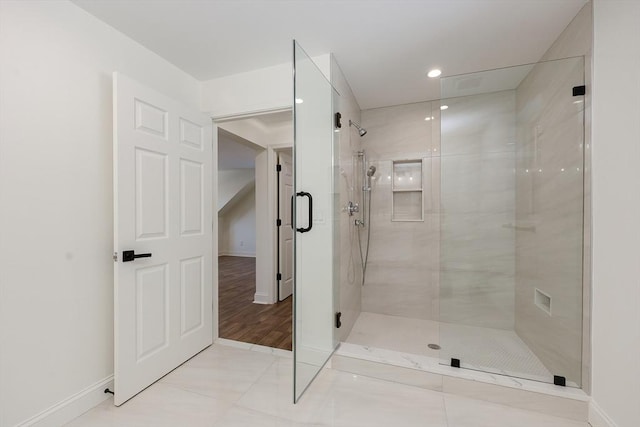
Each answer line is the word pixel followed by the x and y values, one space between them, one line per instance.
pixel 384 47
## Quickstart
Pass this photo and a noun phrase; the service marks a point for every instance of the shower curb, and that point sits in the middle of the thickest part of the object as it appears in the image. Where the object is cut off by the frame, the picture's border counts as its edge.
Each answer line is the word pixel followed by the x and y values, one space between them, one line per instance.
pixel 565 402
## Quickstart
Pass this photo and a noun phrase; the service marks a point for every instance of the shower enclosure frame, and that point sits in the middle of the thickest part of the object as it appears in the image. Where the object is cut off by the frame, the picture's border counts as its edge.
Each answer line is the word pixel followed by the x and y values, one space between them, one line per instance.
pixel 585 233
pixel 553 102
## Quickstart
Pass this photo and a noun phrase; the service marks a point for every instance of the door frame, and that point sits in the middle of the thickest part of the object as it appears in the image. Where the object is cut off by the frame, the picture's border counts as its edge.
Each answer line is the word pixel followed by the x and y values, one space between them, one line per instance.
pixel 272 203
pixel 214 230
pixel 266 245
pixel 288 150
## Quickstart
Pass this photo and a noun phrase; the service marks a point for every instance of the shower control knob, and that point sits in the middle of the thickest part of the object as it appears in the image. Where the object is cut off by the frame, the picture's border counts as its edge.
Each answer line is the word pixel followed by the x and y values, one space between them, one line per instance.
pixel 352 208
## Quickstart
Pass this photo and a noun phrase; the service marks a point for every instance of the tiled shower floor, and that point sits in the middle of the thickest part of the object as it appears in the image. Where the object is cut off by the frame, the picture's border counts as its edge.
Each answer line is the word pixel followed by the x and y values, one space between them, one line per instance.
pixel 500 351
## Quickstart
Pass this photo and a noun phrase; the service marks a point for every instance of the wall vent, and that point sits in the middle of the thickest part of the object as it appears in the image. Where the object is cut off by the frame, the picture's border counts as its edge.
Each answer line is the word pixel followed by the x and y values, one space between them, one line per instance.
pixel 543 301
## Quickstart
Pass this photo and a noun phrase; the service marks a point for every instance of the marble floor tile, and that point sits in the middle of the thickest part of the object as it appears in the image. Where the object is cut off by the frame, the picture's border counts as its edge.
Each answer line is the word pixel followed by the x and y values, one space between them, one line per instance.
pixel 221 372
pixel 272 394
pixel 242 417
pixel 343 399
pixel 358 401
pixel 160 405
pixel 259 394
pixel 463 412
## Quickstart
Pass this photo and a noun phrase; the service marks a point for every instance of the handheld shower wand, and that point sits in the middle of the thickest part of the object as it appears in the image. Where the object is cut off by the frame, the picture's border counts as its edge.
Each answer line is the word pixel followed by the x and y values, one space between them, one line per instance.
pixel 370 172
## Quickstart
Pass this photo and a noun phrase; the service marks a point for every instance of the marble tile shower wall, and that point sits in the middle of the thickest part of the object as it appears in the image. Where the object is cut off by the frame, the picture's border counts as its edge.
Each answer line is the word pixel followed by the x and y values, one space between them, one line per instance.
pixel 478 211
pixel 549 210
pixel 347 143
pixel 458 264
pixel 403 269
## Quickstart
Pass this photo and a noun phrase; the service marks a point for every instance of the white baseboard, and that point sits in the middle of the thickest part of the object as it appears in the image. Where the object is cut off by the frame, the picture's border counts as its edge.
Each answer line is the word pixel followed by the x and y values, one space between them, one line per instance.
pixel 242 254
pixel 73 406
pixel 259 298
pixel 598 418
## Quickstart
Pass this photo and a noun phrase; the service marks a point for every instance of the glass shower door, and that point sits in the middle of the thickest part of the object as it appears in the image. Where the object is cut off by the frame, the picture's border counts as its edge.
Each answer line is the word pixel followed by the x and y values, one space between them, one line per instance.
pixel 314 314
pixel 512 165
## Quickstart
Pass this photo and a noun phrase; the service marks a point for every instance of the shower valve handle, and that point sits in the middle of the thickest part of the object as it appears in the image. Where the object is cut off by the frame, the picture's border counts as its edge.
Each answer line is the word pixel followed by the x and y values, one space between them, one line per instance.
pixel 352 208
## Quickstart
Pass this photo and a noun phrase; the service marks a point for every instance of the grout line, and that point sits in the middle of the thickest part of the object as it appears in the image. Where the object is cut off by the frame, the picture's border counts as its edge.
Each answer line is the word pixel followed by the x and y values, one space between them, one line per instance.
pixel 444 405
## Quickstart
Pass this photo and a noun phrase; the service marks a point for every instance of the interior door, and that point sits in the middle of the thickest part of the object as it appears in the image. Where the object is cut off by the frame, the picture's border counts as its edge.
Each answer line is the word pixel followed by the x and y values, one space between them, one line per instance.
pixel 162 235
pixel 314 222
pixel 285 236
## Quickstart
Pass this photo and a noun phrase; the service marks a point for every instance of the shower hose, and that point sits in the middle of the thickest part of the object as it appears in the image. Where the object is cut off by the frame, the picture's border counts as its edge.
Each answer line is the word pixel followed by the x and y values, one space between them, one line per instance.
pixel 365 258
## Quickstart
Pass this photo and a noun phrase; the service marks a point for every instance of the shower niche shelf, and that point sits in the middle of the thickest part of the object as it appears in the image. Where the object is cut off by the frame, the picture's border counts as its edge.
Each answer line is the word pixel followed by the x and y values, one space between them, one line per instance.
pixel 407 201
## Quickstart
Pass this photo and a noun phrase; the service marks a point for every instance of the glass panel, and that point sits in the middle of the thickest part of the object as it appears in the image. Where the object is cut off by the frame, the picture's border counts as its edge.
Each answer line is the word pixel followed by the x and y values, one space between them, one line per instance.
pixel 314 340
pixel 512 220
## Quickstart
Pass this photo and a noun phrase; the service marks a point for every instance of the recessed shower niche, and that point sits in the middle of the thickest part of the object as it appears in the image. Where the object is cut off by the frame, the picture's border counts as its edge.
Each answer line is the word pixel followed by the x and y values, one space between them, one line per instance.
pixel 407 202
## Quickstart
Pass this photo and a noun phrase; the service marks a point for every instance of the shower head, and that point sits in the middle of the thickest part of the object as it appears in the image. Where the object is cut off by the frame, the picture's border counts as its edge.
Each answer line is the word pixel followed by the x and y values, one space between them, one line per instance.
pixel 371 171
pixel 362 131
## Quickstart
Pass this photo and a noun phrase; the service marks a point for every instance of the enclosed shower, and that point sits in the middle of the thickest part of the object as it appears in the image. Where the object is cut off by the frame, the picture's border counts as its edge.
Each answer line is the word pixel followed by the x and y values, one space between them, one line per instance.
pixel 474 226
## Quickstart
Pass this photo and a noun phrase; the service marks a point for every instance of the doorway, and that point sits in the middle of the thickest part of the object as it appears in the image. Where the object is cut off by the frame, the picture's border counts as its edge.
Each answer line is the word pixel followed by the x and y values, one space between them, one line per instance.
pixel 252 305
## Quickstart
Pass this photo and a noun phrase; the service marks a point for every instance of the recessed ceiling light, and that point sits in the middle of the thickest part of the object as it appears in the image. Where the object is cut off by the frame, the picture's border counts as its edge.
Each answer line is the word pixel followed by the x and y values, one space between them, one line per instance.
pixel 444 107
pixel 434 73
pixel 299 101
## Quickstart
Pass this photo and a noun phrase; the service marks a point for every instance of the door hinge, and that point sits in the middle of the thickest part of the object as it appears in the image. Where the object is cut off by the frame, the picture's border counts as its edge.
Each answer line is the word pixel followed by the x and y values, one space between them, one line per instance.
pixel 278 222
pixel 455 363
pixel 579 90
pixel 279 276
pixel 558 380
pixel 338 319
pixel 338 123
pixel 278 168
pixel 115 257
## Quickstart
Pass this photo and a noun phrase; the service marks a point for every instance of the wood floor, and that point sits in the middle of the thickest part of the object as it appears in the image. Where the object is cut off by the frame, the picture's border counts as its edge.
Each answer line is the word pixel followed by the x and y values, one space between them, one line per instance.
pixel 242 320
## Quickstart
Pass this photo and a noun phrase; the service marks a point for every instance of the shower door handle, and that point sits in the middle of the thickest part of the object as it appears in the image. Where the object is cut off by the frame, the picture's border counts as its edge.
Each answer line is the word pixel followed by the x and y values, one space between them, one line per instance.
pixel 305 194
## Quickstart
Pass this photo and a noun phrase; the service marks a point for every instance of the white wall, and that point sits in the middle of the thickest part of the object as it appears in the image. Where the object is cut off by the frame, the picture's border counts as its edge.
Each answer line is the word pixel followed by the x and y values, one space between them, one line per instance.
pixel 265 89
pixel 56 270
pixel 250 130
pixel 237 227
pixel 250 92
pixel 616 212
pixel 265 230
pixel 232 181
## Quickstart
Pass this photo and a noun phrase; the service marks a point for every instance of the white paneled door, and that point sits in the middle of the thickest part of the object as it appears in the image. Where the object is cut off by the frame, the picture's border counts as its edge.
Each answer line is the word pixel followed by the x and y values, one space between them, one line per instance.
pixel 285 243
pixel 162 235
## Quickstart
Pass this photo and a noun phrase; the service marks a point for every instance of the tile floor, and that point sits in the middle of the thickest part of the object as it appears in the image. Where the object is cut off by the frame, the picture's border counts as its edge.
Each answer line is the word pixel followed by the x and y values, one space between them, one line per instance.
pixel 226 386
pixel 493 350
